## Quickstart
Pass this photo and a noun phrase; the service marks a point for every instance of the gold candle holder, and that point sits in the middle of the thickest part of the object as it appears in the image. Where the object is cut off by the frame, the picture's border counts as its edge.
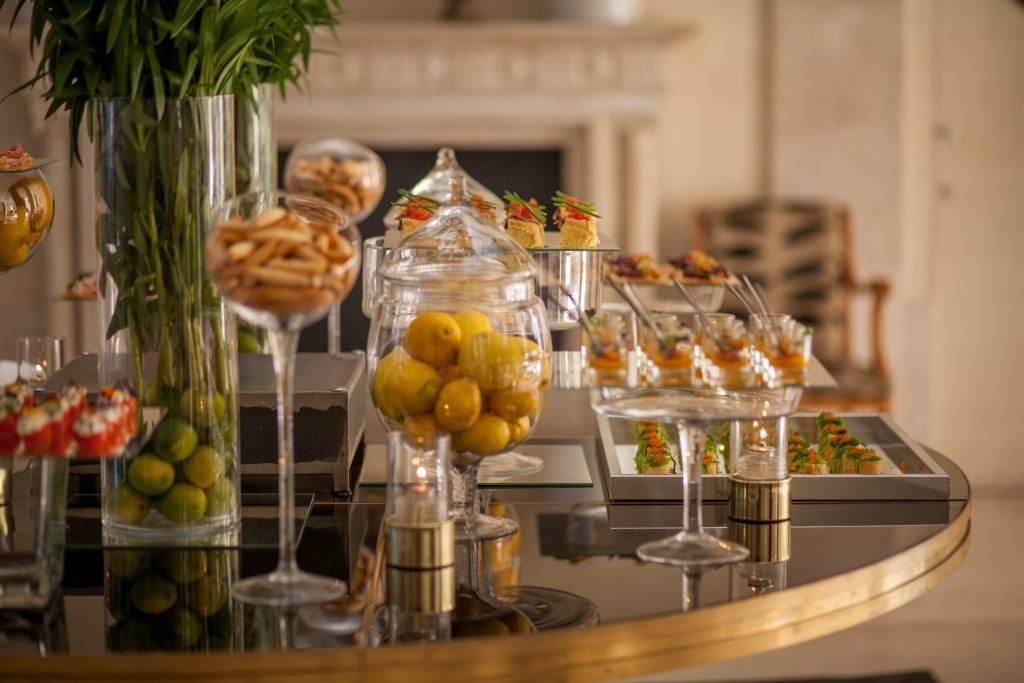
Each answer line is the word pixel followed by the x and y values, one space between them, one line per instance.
pixel 419 541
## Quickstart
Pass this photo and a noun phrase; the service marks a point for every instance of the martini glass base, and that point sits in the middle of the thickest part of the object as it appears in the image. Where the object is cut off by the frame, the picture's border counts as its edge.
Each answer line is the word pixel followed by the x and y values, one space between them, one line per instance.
pixel 692 551
pixel 498 468
pixel 289 589
pixel 485 528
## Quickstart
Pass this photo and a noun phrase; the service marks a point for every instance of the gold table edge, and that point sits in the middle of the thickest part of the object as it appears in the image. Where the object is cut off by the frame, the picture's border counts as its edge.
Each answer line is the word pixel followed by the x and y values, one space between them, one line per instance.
pixel 617 650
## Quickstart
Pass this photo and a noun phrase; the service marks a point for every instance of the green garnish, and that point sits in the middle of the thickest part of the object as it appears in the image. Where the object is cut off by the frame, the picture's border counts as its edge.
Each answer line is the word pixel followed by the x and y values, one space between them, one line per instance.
pixel 538 211
pixel 560 199
pixel 479 202
pixel 415 200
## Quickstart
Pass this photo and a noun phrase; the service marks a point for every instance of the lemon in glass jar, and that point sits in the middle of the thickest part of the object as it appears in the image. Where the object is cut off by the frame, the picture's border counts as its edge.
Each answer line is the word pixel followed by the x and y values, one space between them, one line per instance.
pixel 521 401
pixel 458 405
pixel 414 386
pixel 493 359
pixel 489 434
pixel 471 322
pixel 434 338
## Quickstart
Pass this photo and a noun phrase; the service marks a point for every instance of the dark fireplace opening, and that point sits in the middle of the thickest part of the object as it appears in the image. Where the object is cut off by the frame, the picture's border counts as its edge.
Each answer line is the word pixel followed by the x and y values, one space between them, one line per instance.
pixel 530 172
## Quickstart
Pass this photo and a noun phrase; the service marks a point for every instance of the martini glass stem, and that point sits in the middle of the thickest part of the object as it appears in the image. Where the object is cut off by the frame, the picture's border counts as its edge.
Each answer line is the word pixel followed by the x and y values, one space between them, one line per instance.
pixel 691 447
pixel 691 590
pixel 464 484
pixel 283 346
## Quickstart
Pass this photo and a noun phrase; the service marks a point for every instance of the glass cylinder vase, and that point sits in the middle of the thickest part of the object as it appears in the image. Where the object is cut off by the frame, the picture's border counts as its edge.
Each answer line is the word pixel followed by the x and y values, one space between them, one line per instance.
pixel 163 169
pixel 255 141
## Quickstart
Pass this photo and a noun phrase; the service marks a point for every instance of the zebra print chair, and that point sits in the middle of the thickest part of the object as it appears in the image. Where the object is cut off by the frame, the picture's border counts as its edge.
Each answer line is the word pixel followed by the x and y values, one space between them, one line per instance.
pixel 799 252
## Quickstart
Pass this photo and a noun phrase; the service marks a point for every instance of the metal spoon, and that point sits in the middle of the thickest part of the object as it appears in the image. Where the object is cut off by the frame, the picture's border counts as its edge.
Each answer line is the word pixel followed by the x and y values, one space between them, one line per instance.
pixel 625 290
pixel 762 303
pixel 692 300
pixel 585 321
pixel 741 296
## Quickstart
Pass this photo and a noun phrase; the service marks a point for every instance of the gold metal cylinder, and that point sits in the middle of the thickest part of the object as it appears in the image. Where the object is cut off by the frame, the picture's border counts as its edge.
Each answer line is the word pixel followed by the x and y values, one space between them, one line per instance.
pixel 421 590
pixel 758 500
pixel 428 545
pixel 767 541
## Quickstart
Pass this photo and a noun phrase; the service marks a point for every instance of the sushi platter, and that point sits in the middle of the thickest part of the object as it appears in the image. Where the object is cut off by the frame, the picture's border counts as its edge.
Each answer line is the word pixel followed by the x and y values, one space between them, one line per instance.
pixel 906 472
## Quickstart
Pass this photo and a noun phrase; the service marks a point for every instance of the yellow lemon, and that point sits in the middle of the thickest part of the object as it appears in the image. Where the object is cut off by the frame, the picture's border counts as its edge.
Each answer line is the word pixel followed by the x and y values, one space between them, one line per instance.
pixel 493 359
pixel 512 405
pixel 34 195
pixel 458 405
pixel 537 362
pixel 14 237
pixel 450 373
pixel 415 386
pixel 383 394
pixel 518 429
pixel 489 434
pixel 420 429
pixel 434 338
pixel 471 322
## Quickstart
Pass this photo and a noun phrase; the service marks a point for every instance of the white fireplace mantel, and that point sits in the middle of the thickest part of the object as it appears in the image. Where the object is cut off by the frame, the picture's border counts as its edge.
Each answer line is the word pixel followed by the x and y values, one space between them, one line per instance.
pixel 591 90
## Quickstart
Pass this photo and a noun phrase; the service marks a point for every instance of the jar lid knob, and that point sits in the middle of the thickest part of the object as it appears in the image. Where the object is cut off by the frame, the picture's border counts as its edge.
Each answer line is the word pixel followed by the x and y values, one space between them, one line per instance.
pixel 446 158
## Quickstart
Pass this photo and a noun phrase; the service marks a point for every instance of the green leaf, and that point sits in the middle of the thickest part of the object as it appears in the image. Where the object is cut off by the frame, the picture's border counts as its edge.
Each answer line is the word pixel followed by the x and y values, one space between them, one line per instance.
pixel 79 8
pixel 114 31
pixel 184 14
pixel 119 319
pixel 157 79
pixel 137 62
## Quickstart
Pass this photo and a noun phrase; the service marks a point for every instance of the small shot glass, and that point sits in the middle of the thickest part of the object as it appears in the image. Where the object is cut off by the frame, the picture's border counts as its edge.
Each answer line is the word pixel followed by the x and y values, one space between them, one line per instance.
pixel 670 357
pixel 786 345
pixel 610 356
pixel 727 361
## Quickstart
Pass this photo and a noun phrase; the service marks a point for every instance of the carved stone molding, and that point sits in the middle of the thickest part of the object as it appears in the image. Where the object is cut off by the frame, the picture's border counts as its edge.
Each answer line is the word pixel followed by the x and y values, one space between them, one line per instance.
pixel 483 58
pixel 591 90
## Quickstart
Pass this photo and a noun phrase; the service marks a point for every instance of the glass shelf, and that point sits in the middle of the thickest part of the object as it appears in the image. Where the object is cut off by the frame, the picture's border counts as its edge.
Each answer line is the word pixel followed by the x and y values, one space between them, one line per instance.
pixel 258 526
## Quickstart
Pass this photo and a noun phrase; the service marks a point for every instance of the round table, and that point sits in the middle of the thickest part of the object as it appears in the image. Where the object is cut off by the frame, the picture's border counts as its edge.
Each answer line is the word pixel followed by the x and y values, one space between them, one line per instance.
pixel 850 562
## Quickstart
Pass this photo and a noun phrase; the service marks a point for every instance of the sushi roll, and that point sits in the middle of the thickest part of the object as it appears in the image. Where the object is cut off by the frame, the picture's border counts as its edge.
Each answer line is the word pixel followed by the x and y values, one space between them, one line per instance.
pixel 60 426
pixel 75 395
pixel 795 448
pixel 850 454
pixel 868 461
pixel 416 210
pixel 9 439
pixel 36 431
pixel 525 220
pixel 709 461
pixel 485 208
pixel 829 423
pixel 21 393
pixel 576 221
pixel 91 433
pixel 653 455
pixel 814 463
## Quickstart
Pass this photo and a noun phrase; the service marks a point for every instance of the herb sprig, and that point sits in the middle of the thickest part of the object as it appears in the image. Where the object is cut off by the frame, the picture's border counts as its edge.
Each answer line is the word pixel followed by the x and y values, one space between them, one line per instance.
pixel 152 49
pixel 562 199
pixel 416 200
pixel 538 211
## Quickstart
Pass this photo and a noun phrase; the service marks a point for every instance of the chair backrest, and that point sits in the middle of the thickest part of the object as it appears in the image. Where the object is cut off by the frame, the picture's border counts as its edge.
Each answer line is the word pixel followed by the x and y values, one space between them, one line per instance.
pixel 797 251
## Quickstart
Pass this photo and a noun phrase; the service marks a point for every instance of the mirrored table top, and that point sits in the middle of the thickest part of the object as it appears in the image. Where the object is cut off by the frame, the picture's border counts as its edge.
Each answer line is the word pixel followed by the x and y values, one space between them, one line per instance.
pixel 571 569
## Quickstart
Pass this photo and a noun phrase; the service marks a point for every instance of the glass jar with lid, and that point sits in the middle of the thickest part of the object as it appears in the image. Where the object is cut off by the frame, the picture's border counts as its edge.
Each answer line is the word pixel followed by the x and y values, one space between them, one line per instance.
pixel 459 343
pixel 435 185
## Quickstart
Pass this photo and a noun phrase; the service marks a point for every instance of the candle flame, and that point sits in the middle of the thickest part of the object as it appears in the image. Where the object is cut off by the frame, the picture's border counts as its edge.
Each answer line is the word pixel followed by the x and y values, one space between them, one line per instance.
pixel 421 472
pixel 764 435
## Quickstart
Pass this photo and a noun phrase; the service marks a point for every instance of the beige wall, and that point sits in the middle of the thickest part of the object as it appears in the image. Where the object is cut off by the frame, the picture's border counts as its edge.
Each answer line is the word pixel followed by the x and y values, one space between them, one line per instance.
pixel 26 306
pixel 712 140
pixel 977 280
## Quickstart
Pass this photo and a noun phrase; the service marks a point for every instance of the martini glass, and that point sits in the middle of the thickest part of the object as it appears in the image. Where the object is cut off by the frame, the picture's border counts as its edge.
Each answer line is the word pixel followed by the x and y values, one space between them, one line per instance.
pixel 692 411
pixel 288 586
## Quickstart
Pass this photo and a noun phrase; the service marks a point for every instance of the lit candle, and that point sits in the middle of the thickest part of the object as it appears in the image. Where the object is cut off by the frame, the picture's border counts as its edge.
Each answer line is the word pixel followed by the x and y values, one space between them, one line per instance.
pixel 417 482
